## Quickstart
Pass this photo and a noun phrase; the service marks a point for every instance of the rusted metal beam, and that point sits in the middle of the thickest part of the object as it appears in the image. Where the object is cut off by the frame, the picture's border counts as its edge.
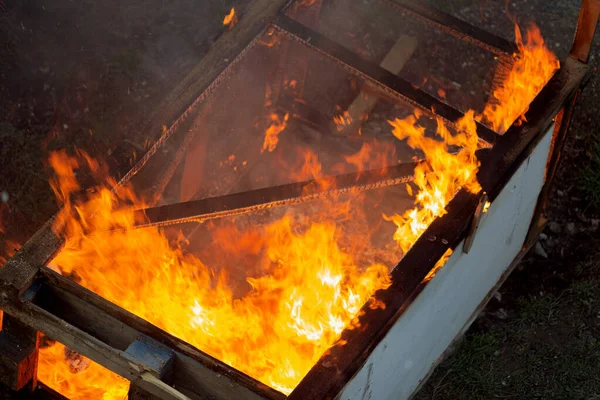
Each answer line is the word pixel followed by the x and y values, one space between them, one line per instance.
pixel 277 196
pixel 378 75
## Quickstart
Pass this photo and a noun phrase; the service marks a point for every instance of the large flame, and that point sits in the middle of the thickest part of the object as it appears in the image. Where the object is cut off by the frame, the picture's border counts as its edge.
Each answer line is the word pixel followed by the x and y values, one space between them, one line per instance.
pixel 306 292
pixel 533 65
pixel 307 285
pixel 442 173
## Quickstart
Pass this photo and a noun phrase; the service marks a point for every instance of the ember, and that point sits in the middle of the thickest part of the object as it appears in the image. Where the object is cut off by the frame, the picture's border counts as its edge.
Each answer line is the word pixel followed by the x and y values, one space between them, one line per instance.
pixel 230 19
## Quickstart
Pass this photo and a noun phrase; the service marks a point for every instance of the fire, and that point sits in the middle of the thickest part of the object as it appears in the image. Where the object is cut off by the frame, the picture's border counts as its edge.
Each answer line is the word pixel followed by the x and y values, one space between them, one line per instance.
pixel 439 177
pixel 78 378
pixel 10 248
pixel 533 66
pixel 277 125
pixel 438 266
pixel 342 120
pixel 372 155
pixel 442 173
pixel 230 19
pixel 486 206
pixel 304 284
pixel 306 291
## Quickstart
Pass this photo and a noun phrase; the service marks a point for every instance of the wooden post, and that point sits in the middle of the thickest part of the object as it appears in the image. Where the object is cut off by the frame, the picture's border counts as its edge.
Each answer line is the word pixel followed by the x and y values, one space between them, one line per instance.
pixel 364 103
pixel 19 346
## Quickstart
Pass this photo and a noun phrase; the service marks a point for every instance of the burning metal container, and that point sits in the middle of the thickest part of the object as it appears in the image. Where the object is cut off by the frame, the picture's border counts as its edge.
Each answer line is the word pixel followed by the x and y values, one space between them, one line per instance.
pixel 320 218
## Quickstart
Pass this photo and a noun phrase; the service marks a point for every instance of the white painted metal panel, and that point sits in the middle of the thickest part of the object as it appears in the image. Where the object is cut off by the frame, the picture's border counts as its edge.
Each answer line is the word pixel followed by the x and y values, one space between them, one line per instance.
pixel 414 344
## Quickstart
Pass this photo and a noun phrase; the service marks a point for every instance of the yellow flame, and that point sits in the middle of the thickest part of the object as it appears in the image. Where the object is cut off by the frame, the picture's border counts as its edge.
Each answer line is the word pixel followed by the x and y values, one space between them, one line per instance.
pixel 306 291
pixel 276 126
pixel 230 19
pixel 306 288
pixel 486 206
pixel 439 177
pixel 77 377
pixel 532 68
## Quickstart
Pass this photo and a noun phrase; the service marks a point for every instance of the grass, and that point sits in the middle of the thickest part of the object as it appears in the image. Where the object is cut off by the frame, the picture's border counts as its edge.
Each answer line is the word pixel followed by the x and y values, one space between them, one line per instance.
pixel 549 349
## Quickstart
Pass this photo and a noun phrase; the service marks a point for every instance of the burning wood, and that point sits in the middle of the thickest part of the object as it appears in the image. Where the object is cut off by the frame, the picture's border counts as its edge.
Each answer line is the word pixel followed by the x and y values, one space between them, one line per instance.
pixel 304 283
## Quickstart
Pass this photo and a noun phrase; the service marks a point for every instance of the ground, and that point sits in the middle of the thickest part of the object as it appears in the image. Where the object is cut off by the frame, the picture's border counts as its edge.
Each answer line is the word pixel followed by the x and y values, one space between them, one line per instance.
pixel 87 74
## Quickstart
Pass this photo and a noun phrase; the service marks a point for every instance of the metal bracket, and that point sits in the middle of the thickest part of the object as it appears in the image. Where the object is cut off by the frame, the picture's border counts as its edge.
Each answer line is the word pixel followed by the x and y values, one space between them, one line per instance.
pixel 479 211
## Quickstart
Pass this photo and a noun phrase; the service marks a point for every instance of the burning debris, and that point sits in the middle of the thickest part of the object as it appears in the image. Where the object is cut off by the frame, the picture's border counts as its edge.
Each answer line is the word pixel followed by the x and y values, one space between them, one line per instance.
pixel 304 281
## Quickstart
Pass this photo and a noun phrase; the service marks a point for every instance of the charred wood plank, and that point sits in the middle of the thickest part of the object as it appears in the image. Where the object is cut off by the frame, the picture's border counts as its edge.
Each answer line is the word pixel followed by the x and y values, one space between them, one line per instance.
pixel 19 346
pixel 456 27
pixel 378 75
pixel 19 271
pixel 276 196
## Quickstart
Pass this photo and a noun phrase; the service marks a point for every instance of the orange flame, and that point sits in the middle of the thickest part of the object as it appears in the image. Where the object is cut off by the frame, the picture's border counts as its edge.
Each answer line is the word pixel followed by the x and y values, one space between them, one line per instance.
pixel 307 290
pixel 533 66
pixel 372 155
pixel 486 207
pixel 438 266
pixel 439 177
pixel 230 19
pixel 77 377
pixel 306 287
pixel 342 120
pixel 276 126
pixel 443 173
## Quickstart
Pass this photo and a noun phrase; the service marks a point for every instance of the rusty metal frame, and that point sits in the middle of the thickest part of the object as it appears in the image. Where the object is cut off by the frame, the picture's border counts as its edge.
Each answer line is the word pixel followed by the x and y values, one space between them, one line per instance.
pixel 110 335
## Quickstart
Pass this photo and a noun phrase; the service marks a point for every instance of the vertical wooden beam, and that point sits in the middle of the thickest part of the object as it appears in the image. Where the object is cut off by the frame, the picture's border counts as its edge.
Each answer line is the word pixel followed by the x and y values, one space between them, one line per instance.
pixel 19 346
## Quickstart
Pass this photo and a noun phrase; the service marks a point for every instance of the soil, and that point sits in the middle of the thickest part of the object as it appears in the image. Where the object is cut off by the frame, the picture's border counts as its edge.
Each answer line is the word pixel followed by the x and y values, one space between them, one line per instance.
pixel 87 74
